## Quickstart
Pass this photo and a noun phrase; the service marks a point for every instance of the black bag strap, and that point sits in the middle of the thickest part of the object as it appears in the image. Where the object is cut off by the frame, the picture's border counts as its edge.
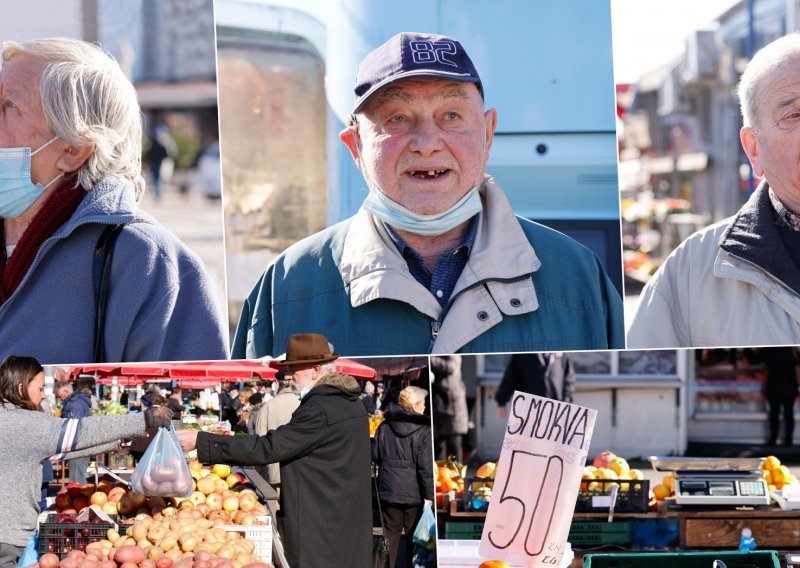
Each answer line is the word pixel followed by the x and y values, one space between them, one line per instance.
pixel 378 497
pixel 103 255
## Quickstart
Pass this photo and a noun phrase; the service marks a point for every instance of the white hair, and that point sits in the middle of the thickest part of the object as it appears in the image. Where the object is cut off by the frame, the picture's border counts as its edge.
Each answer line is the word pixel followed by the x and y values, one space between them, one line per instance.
pixel 88 100
pixel 764 62
pixel 328 368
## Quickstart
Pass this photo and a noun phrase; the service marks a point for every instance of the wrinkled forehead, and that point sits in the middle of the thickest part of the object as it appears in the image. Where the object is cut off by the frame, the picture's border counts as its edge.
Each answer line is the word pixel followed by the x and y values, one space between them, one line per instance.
pixel 21 77
pixel 778 84
pixel 415 89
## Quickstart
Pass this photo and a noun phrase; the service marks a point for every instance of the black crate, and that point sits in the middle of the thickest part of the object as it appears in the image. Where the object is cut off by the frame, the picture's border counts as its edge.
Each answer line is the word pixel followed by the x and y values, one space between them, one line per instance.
pixel 61 538
pixel 633 495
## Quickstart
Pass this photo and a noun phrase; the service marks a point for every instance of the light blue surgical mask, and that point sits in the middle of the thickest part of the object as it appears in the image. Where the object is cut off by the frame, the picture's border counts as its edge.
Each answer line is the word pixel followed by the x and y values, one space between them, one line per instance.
pixel 395 215
pixel 17 191
pixel 400 217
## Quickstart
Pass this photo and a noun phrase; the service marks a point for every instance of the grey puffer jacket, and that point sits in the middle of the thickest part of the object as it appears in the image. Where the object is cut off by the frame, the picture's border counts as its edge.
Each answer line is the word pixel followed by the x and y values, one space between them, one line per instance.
pixel 27 438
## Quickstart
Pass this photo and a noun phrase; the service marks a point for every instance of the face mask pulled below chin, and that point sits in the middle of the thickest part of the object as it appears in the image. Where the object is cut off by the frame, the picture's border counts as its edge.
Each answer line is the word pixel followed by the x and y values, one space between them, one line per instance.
pixel 400 217
pixel 17 191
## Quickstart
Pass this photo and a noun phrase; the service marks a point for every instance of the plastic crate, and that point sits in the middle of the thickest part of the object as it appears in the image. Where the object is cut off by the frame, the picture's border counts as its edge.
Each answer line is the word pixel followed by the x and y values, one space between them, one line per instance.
pixel 463 530
pixel 593 533
pixel 594 495
pixel 732 559
pixel 61 538
pixel 259 534
pixel 477 493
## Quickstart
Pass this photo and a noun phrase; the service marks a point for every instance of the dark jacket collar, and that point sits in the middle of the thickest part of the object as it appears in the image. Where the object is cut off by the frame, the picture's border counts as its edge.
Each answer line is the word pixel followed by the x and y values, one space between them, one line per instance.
pixel 753 237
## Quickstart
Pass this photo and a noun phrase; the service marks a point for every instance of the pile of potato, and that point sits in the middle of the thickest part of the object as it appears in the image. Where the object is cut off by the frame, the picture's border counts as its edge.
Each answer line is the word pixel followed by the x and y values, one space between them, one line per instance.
pixel 169 539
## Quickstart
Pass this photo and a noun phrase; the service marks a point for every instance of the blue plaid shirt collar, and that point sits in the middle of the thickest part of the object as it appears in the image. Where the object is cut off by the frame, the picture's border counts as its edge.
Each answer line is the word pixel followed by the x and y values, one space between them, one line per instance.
pixel 448 267
pixel 786 217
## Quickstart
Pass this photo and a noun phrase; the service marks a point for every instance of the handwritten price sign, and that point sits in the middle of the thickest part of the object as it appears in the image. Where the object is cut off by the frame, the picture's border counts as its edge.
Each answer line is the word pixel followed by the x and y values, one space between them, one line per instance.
pixel 537 481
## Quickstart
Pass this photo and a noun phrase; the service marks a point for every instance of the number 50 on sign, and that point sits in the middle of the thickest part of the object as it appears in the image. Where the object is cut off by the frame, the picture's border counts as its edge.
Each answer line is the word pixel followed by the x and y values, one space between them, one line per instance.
pixel 538 476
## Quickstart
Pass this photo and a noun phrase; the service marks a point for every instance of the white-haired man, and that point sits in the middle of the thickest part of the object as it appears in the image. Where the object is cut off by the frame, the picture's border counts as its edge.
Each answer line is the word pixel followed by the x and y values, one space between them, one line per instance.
pixel 435 260
pixel 85 274
pixel 324 456
pixel 737 282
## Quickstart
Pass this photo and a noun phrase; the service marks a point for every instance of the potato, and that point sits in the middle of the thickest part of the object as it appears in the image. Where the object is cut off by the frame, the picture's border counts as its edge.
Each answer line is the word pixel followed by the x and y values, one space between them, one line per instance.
pixel 48 561
pixel 130 554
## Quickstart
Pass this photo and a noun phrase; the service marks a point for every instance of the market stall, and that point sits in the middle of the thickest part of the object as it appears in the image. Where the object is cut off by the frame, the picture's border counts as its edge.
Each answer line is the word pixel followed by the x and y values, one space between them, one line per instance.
pixel 699 504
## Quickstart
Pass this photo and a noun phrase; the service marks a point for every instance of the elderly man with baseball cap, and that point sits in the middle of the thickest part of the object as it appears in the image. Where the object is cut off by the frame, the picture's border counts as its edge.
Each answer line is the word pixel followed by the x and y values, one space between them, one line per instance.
pixel 324 456
pixel 435 260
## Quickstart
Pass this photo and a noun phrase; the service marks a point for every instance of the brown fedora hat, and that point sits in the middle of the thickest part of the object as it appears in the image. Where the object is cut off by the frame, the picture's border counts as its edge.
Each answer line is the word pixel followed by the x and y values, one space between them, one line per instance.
pixel 307 349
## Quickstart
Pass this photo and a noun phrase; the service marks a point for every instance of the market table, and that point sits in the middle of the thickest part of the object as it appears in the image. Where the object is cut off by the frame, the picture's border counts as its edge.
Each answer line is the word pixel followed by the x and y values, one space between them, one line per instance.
pixel 698 527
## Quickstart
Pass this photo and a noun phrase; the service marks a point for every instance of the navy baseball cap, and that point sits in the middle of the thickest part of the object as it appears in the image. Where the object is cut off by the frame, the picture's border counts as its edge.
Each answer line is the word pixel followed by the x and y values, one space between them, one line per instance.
pixel 411 54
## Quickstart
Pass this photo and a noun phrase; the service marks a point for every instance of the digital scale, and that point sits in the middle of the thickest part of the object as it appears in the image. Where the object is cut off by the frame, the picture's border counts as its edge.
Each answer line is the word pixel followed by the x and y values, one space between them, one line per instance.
pixel 715 481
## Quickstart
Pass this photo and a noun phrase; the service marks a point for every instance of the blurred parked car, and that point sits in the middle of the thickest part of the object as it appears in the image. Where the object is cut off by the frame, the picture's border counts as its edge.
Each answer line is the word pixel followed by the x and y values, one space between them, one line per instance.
pixel 208 172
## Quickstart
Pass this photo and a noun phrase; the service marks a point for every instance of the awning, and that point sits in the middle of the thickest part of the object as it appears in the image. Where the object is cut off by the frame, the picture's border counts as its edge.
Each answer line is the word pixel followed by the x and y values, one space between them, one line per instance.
pixel 211 372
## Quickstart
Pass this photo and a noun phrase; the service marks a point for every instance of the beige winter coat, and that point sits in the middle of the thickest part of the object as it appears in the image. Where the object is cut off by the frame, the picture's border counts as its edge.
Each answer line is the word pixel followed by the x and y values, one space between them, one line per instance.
pixel 703 296
pixel 277 411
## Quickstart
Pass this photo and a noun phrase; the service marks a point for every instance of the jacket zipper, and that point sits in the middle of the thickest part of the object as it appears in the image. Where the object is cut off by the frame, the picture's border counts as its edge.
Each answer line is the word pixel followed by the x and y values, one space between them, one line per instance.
pixel 764 272
pixel 437 324
pixel 41 248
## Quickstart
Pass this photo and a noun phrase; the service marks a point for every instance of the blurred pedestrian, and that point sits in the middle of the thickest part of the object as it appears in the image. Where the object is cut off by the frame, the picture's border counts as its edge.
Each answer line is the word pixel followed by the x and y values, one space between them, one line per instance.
pixel 74 405
pixel 140 444
pixel 550 375
pixel 780 390
pixel 449 406
pixel 367 397
pixel 275 413
pixel 402 451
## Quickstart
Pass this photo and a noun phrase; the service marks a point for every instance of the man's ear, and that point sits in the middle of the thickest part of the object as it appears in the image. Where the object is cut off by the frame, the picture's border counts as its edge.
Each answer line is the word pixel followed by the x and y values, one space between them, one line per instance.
pixel 349 136
pixel 490 121
pixel 749 140
pixel 73 157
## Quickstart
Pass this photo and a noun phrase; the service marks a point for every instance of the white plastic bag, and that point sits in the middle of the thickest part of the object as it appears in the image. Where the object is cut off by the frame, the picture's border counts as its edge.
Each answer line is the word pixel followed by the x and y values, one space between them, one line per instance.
pixel 163 471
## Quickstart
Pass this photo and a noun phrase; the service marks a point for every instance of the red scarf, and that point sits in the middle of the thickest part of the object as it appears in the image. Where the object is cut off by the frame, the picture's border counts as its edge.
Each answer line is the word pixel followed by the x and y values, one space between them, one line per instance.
pixel 54 212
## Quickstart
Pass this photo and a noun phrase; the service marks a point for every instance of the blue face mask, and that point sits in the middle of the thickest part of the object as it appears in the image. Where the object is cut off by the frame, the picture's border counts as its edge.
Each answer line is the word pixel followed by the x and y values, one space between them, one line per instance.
pixel 395 215
pixel 17 191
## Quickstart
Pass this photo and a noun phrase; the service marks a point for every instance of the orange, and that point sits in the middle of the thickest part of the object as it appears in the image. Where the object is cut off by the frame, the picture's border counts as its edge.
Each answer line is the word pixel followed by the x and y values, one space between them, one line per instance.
pixel 771 463
pixel 667 481
pixel 494 564
pixel 661 492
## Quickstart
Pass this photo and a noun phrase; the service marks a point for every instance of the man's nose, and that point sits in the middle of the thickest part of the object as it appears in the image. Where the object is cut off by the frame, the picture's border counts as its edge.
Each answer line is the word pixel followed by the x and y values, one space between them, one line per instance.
pixel 426 137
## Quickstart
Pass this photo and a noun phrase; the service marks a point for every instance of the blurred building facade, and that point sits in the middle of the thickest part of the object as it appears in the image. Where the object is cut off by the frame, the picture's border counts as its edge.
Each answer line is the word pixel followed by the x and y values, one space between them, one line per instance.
pixel 681 162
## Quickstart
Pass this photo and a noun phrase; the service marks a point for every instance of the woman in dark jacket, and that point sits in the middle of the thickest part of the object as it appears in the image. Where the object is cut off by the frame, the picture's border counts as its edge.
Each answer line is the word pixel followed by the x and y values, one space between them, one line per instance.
pixel 402 450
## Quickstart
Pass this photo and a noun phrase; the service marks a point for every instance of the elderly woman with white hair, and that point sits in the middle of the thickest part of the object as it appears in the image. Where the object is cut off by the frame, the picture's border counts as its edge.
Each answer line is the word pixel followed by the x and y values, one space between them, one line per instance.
pixel 403 452
pixel 86 275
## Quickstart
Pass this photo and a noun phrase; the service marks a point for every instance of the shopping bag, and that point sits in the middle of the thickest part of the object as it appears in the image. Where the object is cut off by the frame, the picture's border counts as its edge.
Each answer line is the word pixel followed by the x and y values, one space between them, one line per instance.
pixel 425 533
pixel 30 556
pixel 380 552
pixel 163 471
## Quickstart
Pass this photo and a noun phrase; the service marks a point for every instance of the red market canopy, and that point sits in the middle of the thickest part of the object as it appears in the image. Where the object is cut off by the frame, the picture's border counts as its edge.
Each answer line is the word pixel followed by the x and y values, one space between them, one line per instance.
pixel 208 373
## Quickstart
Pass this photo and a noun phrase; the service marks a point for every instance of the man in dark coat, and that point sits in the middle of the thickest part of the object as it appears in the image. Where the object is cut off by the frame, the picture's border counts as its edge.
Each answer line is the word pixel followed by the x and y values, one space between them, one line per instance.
pixel 324 452
pixel 544 374
pixel 74 405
